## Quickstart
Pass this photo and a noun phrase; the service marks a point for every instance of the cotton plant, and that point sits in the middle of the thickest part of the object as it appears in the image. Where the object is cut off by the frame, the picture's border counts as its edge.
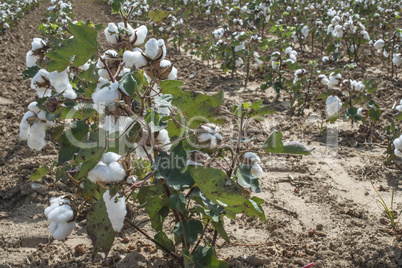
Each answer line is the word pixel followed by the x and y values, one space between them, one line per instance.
pixel 127 137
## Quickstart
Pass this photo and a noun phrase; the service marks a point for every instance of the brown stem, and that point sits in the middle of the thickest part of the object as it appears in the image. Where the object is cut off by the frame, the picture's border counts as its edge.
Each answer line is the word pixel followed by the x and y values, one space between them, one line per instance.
pixel 199 239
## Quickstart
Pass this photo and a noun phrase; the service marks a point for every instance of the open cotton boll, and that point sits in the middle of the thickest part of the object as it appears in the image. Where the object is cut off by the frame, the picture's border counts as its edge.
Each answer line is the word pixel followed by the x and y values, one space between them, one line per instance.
pixel 128 30
pixel 25 126
pixel 323 79
pixel 151 48
pixel 105 96
pixel 141 33
pixel 209 134
pixel 239 47
pixel 163 138
pixel 379 44
pixel 33 106
pixel 37 43
pixel 173 74
pixel 334 79
pixel 107 169
pixel 61 230
pixel 397 59
pixel 134 58
pixel 31 59
pixel 36 138
pixel 60 214
pixel 239 62
pixel 333 105
pixel 399 107
pixel 116 211
pixel 257 170
pixel 325 59
pixel 305 30
pixel 398 146
pixel 112 33
pixel 84 67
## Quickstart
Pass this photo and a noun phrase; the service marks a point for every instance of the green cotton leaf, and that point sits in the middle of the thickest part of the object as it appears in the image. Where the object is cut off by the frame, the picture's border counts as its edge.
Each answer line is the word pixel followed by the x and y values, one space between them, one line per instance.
pixel 89 158
pixel 177 202
pixel 351 113
pixel 30 72
pixel 323 96
pixel 162 238
pixel 173 168
pixel 130 83
pixel 274 145
pixel 398 116
pixel 260 111
pixel 88 190
pixel 200 107
pixel 209 208
pixel 57 132
pixel 71 139
pixel 39 173
pixel 164 101
pixel 190 228
pixel 78 49
pixel 90 75
pixel 218 226
pixel 215 184
pixel 100 229
pixel 117 5
pixel 159 15
pixel 78 111
pixel 205 257
pixel 246 179
pixel 171 87
pixel 154 119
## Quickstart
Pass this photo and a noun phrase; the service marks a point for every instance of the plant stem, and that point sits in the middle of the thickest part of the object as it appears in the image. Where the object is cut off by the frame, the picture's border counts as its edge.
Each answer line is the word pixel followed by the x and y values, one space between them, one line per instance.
pixel 153 240
pixel 199 239
pixel 238 146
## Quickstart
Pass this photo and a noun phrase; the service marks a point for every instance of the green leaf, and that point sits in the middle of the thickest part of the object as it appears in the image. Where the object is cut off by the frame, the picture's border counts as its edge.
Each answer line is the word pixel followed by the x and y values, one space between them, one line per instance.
pixel 129 83
pixel 88 190
pixel 100 229
pixel 191 229
pixel 162 238
pixel 205 257
pixel 89 158
pixel 30 72
pixel 172 168
pixel 159 16
pixel 218 226
pixel 199 107
pixel 171 87
pixel 246 179
pixel 117 5
pixel 71 140
pixel 215 184
pixel 39 173
pixel 78 111
pixel 274 145
pixel 177 202
pixel 80 48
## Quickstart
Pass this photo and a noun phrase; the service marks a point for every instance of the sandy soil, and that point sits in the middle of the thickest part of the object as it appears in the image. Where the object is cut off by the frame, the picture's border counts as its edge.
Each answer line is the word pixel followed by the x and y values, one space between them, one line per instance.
pixel 320 208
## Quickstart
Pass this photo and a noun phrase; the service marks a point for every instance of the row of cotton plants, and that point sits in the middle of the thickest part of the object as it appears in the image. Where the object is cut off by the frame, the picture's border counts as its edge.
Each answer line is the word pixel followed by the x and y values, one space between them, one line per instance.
pixel 13 10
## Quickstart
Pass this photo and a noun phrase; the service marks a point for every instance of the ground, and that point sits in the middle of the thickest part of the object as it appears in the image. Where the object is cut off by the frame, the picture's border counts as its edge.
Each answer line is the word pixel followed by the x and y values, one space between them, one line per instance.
pixel 320 208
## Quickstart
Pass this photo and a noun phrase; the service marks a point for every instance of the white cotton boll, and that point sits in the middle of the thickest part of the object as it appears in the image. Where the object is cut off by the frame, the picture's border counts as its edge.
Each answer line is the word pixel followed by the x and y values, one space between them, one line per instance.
pixel 84 67
pixel 37 134
pixel 398 153
pixel 365 35
pixel 163 137
pixel 108 169
pixel 292 56
pixel 275 55
pixel 325 59
pixel 385 53
pixel 104 74
pixel 25 126
pixel 251 157
pixel 305 30
pixel 173 74
pixel 203 137
pixel 39 78
pixel 165 63
pixel 360 111
pixel 60 81
pixel 33 106
pixel 62 230
pixel 334 80
pixel 257 170
pixel 161 44
pixel 141 33
pixel 140 152
pixel 69 93
pixel 37 43
pixel 397 59
pixel 379 44
pixel 42 115
pixel 239 62
pixel 239 47
pixel 151 48
pixel 60 214
pixel 333 105
pixel 104 97
pixel 31 59
pixel 112 33
pixel 128 30
pixel 116 210
pixel 323 79
pixel 134 58
pixel 398 143
pixel 118 125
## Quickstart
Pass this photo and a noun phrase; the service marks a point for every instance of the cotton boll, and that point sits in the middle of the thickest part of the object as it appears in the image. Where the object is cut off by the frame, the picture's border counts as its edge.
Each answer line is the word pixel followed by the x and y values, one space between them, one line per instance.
pixel 151 48
pixel 110 157
pixel 37 134
pixel 173 74
pixel 134 58
pixel 397 59
pixel 323 79
pixel 104 74
pixel 239 47
pixel 334 80
pixel 385 53
pixel 104 97
pixel 31 59
pixel 141 33
pixel 84 67
pixel 379 44
pixel 108 169
pixel 325 59
pixel 360 111
pixel 112 33
pixel 62 230
pixel 118 125
pixel 37 43
pixel 116 210
pixel 33 106
pixel 69 93
pixel 60 214
pixel 39 79
pixel 239 62
pixel 25 126
pixel 305 30
pixel 60 81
